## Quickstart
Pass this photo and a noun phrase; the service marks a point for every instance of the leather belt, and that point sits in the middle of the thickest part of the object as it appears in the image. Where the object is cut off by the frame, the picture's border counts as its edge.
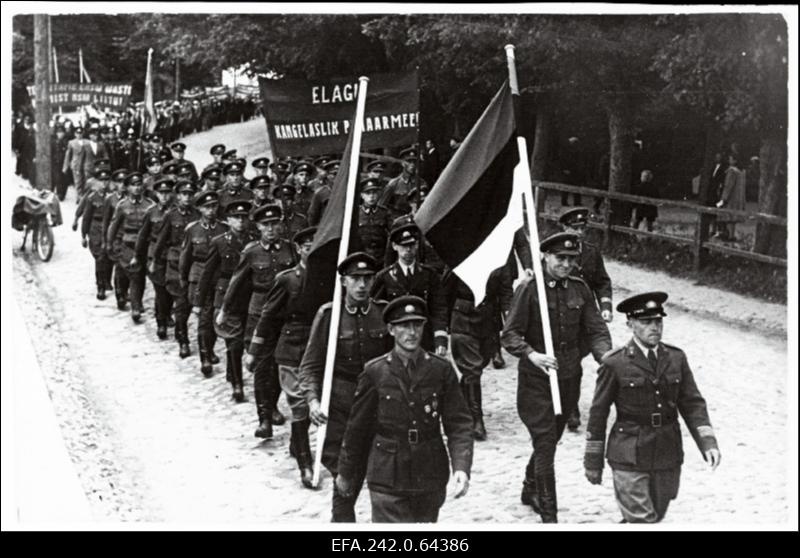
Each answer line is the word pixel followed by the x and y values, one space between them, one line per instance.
pixel 656 420
pixel 412 435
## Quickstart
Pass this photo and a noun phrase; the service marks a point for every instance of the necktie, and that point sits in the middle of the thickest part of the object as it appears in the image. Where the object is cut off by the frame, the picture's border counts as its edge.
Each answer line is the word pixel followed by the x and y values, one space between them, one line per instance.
pixel 651 358
pixel 411 370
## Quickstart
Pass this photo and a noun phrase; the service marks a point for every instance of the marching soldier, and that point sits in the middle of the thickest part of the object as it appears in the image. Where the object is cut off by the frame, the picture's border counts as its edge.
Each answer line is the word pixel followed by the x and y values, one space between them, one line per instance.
pixel 282 330
pixel 130 156
pixel 169 170
pixel 373 220
pixel 262 166
pixel 304 194
pixel 396 194
pixel 178 150
pixel 92 230
pixel 409 277
pixel 145 248
pixel 212 178
pixel 650 384
pixel 113 247
pixel 194 253
pixel 590 268
pixel 473 334
pixel 216 153
pixel 234 188
pixel 375 170
pixel 280 171
pixel 129 217
pixel 169 243
pixel 260 186
pixel 394 431
pixel 153 165
pixel 573 319
pixel 362 337
pixel 322 194
pixel 260 262
pixel 223 257
pixel 293 222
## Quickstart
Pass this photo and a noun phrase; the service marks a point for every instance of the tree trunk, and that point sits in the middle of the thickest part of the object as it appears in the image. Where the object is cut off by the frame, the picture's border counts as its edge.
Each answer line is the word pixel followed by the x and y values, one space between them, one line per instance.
pixel 620 132
pixel 713 135
pixel 541 143
pixel 41 58
pixel 771 239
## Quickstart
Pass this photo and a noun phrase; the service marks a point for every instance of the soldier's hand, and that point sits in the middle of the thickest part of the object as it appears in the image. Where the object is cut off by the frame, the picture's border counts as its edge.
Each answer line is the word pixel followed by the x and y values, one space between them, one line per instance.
pixel 607 316
pixel 315 412
pixel 462 483
pixel 151 267
pixel 75 225
pixel 221 317
pixel 543 361
pixel 713 457
pixel 595 476
pixel 134 261
pixel 248 361
pixel 84 242
pixel 344 486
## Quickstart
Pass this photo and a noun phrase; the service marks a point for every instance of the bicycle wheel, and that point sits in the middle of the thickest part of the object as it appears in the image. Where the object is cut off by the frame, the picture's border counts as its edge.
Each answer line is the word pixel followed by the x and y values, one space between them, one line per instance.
pixel 43 240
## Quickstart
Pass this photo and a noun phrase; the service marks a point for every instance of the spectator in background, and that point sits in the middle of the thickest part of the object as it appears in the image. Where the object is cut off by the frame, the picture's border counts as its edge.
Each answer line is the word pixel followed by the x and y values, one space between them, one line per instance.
pixel 455 143
pixel 24 145
pixel 753 178
pixel 59 181
pixel 572 165
pixel 429 160
pixel 644 211
pixel 733 197
pixel 715 187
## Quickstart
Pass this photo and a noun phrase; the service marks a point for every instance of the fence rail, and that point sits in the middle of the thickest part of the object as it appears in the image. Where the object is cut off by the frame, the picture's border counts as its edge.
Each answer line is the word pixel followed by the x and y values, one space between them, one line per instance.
pixel 699 241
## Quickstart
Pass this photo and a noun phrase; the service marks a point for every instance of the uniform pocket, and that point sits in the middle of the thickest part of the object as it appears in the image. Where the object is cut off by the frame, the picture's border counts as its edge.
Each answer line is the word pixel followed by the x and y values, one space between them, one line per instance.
pixel 635 395
pixel 382 462
pixel 623 444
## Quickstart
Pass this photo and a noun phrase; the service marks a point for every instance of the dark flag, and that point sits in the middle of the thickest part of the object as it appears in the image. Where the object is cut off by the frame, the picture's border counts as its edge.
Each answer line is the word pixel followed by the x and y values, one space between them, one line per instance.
pixel 321 272
pixel 474 209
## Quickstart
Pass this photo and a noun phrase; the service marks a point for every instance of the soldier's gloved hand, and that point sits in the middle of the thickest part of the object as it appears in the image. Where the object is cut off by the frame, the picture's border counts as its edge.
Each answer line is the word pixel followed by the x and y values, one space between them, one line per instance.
pixel 315 413
pixel 248 361
pixel 595 476
pixel 344 486
pixel 84 242
pixel 75 225
pixel 543 361
pixel 221 317
pixel 462 483
pixel 713 457
pixel 606 315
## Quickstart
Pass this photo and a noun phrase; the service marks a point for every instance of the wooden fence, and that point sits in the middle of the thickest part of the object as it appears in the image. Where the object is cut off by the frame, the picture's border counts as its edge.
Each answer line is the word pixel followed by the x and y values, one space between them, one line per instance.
pixel 699 242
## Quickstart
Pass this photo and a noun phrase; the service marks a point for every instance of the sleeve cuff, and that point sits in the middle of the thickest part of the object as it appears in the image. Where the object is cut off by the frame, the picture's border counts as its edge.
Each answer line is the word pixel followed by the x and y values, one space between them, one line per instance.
pixel 257 340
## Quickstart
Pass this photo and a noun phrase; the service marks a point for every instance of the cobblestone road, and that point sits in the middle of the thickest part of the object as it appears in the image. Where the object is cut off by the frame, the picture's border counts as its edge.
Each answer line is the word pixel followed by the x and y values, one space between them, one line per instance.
pixel 175 448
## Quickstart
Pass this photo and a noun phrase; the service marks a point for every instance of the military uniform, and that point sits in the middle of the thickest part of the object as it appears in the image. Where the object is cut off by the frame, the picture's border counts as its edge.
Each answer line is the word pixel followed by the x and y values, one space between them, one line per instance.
pixel 645 448
pixel 92 229
pixel 194 253
pixel 169 243
pixel 252 280
pixel 373 230
pixel 113 248
pixel 395 430
pixel 223 257
pixel 180 148
pixel 145 250
pixel 129 217
pixel 302 200
pixel 573 316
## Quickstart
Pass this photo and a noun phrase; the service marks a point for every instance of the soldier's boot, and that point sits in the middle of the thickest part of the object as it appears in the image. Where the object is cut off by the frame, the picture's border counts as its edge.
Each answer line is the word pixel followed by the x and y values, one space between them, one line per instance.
pixel 206 367
pixel 182 336
pixel 574 420
pixel 276 416
pixel 161 329
pixel 264 429
pixel 302 451
pixel 101 293
pixel 228 366
pixel 546 488
pixel 212 340
pixel 100 281
pixel 136 314
pixel 498 361
pixel 234 357
pixel 529 495
pixel 476 409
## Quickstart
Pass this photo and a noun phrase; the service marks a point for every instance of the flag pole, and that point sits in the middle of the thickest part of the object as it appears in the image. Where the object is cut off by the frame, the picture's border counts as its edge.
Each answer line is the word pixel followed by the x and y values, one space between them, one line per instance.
pixel 336 307
pixel 534 233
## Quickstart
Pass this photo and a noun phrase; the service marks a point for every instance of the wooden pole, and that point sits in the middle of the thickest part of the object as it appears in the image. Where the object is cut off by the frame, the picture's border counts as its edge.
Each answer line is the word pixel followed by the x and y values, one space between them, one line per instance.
pixel 336 308
pixel 41 68
pixel 177 79
pixel 530 209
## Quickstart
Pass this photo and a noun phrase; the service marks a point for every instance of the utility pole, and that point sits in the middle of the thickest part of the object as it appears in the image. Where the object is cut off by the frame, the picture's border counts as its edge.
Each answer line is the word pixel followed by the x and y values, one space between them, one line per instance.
pixel 177 79
pixel 41 68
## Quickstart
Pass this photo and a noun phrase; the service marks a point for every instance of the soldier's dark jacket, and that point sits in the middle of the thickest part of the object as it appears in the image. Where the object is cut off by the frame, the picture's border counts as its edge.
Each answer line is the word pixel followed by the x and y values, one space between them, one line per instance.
pixel 293 222
pixel 194 252
pixel 256 273
pixel 129 215
pixel 284 325
pixel 395 426
pixel 592 270
pixel 646 435
pixel 573 316
pixel 92 223
pixel 302 200
pixel 223 257
pixel 113 246
pixel 479 321
pixel 146 242
pixel 170 239
pixel 362 337
pixel 373 230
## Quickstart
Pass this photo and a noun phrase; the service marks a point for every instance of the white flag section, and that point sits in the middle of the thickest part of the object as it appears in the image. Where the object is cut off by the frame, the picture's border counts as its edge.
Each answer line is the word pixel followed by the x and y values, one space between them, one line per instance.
pixel 494 250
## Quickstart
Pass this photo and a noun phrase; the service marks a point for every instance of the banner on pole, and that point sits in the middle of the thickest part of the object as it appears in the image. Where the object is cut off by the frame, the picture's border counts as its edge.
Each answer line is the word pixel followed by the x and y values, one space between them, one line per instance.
pixel 315 117
pixel 111 96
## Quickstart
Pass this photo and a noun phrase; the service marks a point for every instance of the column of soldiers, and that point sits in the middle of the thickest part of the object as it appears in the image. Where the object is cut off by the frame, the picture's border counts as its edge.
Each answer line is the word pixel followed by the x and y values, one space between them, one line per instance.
pixel 236 250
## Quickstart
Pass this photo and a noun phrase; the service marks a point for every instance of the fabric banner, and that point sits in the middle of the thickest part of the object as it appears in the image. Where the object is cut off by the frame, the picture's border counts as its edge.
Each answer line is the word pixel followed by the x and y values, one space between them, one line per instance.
pixel 111 96
pixel 314 118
